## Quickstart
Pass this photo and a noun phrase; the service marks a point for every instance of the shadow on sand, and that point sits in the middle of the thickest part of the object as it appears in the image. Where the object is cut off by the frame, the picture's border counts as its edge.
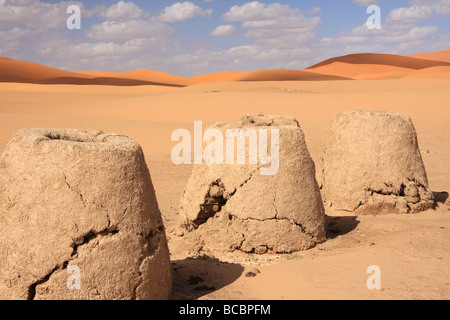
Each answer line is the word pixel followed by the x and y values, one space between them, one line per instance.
pixel 440 197
pixel 340 225
pixel 194 278
pixel 197 277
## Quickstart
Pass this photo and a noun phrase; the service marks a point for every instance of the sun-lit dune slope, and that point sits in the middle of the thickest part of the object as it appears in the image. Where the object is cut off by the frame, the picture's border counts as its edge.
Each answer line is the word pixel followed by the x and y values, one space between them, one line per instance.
pixel 436 56
pixel 430 73
pixel 286 75
pixel 383 59
pixel 358 71
pixel 218 76
pixel 23 71
pixel 143 75
pixel 364 66
pixel 29 72
pixel 104 81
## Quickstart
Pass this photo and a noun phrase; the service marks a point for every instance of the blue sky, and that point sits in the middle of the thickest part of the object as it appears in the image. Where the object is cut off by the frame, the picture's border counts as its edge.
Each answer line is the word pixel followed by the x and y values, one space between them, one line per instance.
pixel 193 37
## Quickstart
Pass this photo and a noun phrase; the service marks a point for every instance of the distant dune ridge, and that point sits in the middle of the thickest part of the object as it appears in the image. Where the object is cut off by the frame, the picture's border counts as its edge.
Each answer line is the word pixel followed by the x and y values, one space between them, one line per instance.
pixel 437 55
pixel 350 67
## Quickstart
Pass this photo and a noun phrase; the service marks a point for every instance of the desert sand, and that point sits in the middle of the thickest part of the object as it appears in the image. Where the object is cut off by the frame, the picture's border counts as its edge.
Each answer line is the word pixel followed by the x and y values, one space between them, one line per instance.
pixel 410 249
pixel 437 55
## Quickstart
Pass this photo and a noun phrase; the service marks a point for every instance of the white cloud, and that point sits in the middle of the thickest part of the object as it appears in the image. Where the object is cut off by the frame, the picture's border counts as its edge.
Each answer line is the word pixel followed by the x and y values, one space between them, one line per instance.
pixel 399 34
pixel 182 11
pixel 128 30
pixel 409 15
pixel 365 3
pixel 313 11
pixel 441 7
pixel 274 24
pixel 123 11
pixel 224 31
pixel 27 23
pixel 253 11
pixel 35 14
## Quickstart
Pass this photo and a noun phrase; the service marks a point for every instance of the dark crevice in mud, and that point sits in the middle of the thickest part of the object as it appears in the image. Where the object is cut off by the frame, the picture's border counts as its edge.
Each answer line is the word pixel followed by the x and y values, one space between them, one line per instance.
pixel 80 241
pixel 32 288
pixel 216 198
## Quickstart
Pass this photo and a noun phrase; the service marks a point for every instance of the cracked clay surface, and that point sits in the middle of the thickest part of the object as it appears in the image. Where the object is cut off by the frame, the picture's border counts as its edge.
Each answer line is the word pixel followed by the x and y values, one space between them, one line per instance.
pixel 233 207
pixel 372 165
pixel 85 199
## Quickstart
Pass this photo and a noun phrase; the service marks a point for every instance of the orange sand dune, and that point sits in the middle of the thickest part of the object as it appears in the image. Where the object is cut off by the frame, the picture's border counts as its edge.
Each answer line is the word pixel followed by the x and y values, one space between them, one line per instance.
pixel 95 74
pixel 286 75
pixel 427 73
pixel 383 59
pixel 29 72
pixel 23 71
pixel 218 76
pixel 430 73
pixel 437 56
pixel 106 81
pixel 358 71
pixel 157 76
pixel 356 66
pixel 143 75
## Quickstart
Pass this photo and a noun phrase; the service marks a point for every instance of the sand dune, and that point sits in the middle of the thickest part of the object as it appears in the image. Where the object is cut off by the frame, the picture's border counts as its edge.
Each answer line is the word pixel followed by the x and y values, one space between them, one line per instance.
pixel 383 59
pixel 143 75
pixel 29 72
pixel 356 66
pixel 218 76
pixel 266 75
pixel 357 71
pixel 286 75
pixel 437 56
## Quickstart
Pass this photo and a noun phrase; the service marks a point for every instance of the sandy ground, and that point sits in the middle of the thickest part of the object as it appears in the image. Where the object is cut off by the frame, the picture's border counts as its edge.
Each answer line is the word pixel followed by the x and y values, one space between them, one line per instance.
pixel 411 250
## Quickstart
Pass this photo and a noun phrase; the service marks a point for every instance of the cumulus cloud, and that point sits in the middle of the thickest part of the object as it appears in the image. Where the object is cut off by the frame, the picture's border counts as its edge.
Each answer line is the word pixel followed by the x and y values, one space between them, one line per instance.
pixel 34 14
pixel 313 11
pixel 124 36
pixel 441 7
pixel 182 11
pixel 123 11
pixel 401 33
pixel 409 15
pixel 128 30
pixel 365 3
pixel 224 31
pixel 274 24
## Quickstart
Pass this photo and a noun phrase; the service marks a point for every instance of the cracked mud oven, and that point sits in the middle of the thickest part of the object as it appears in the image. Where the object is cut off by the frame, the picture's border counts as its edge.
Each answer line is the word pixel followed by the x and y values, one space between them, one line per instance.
pixel 229 208
pixel 372 165
pixel 90 205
